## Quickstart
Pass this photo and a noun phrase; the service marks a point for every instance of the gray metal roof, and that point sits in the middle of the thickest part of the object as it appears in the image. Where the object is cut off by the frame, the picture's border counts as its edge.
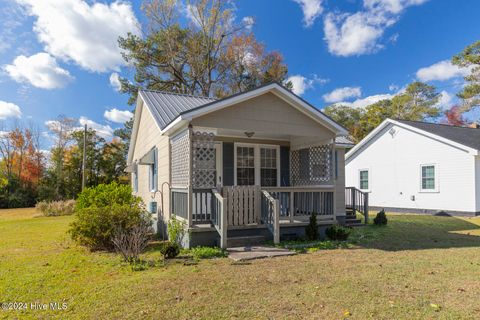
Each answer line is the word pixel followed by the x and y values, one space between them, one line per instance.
pixel 166 106
pixel 469 137
pixel 344 140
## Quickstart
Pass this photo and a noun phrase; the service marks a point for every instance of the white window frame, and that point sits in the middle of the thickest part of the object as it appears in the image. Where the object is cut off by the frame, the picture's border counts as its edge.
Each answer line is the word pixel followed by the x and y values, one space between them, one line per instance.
pixel 369 180
pixel 435 177
pixel 257 162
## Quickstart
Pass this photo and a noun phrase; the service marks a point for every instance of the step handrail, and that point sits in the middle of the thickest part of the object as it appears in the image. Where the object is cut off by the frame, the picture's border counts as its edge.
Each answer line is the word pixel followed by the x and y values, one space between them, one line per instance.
pixel 357 200
pixel 271 214
pixel 220 219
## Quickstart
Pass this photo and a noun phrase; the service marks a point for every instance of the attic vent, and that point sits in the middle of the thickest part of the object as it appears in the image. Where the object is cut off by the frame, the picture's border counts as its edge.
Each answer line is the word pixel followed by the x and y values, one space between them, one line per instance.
pixel 392 132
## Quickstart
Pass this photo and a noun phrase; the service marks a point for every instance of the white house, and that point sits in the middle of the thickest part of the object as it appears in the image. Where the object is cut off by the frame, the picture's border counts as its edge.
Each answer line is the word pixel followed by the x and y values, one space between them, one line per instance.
pixel 255 164
pixel 418 167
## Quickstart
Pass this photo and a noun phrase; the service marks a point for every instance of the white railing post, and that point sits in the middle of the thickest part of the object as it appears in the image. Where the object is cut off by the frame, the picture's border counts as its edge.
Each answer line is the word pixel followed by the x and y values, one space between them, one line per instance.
pixel 292 205
pixel 276 221
pixel 224 224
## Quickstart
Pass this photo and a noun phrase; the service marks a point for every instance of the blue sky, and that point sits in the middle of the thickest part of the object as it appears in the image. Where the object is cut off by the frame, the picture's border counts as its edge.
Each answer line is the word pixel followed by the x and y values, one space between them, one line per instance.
pixel 59 56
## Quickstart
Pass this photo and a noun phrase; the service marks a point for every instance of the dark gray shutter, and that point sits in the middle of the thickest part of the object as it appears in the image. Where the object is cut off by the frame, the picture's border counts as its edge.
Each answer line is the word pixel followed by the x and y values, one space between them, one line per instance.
pixel 285 166
pixel 228 154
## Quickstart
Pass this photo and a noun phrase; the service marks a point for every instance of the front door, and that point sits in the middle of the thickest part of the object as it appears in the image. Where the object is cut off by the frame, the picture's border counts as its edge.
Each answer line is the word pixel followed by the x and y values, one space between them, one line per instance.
pixel 257 164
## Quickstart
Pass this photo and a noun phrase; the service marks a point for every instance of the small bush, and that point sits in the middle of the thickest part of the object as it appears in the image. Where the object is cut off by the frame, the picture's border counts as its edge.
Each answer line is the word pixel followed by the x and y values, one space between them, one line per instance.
pixel 311 230
pixel 56 208
pixel 207 253
pixel 107 195
pixel 380 219
pixel 169 249
pixel 176 230
pixel 95 227
pixel 337 232
pixel 131 242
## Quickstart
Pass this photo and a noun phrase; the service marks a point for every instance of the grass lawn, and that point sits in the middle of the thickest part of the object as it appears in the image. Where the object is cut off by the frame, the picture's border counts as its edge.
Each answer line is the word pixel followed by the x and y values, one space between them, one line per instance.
pixel 418 267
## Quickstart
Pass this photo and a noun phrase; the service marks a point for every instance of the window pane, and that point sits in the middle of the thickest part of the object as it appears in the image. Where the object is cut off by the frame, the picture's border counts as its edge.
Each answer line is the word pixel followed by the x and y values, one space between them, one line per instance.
pixel 364 179
pixel 428 177
pixel 245 166
pixel 268 167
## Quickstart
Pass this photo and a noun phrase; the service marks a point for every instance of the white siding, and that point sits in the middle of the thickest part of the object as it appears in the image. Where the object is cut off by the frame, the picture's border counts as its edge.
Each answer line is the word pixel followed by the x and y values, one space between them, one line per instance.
pixel 395 174
pixel 477 183
pixel 148 137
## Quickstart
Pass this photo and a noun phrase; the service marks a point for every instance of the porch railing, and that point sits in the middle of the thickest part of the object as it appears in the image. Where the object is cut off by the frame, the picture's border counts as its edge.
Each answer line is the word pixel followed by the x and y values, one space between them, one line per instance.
pixel 302 202
pixel 243 205
pixel 179 198
pixel 219 217
pixel 271 214
pixel 356 200
pixel 202 205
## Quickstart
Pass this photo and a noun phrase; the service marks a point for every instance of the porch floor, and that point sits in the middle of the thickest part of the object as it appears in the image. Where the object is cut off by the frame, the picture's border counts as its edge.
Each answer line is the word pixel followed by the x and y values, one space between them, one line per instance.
pixel 256 252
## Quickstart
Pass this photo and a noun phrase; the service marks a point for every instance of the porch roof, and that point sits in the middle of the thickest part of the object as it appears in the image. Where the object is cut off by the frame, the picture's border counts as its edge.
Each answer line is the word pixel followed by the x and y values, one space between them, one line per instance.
pixel 168 108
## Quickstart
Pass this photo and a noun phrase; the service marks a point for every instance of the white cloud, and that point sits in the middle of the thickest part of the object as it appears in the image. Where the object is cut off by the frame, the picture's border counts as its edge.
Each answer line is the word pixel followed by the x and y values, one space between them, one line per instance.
pixel 445 101
pixel 341 94
pixel 393 87
pixel 248 22
pixel 302 84
pixel 40 70
pixel 9 110
pixel 364 102
pixel 311 10
pixel 349 34
pixel 74 30
pixel 115 81
pixel 441 71
pixel 104 131
pixel 118 116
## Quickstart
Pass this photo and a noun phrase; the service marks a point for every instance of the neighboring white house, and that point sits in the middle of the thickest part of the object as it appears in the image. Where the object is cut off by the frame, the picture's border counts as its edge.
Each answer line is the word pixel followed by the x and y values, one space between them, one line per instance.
pixel 258 163
pixel 418 167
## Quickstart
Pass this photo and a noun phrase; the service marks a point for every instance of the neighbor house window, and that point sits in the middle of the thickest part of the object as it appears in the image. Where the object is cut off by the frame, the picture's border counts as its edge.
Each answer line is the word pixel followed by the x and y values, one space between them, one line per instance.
pixel 268 167
pixel 428 177
pixel 364 184
pixel 245 166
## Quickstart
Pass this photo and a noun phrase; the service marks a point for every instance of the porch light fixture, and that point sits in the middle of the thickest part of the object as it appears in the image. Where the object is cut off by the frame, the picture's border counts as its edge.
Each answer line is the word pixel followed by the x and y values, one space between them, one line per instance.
pixel 249 134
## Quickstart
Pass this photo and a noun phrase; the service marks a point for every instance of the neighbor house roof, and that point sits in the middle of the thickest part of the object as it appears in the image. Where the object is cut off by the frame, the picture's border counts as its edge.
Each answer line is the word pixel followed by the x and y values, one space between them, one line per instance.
pixel 464 138
pixel 166 106
pixel 469 137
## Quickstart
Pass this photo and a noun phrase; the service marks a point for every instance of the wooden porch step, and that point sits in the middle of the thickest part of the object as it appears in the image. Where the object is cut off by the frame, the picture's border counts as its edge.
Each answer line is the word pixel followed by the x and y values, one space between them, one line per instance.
pixel 247 241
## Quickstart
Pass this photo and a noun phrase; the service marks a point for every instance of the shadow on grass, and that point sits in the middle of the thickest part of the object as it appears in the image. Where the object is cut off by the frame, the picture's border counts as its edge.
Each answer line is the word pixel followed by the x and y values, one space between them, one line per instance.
pixel 417 232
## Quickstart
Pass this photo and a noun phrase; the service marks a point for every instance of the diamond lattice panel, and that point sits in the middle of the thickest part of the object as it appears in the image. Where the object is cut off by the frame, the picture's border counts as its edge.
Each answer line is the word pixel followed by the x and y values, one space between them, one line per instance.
pixel 180 160
pixel 203 160
pixel 311 166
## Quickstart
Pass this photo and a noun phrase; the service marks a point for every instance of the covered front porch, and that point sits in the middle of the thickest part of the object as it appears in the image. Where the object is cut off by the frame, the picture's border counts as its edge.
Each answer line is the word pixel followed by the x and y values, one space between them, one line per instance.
pixel 227 182
pixel 261 160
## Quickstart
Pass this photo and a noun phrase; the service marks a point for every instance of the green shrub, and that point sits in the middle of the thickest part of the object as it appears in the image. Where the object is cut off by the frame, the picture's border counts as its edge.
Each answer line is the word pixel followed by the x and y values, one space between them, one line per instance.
pixel 176 230
pixel 169 249
pixel 107 195
pixel 56 208
pixel 380 219
pixel 207 253
pixel 337 232
pixel 95 227
pixel 311 230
